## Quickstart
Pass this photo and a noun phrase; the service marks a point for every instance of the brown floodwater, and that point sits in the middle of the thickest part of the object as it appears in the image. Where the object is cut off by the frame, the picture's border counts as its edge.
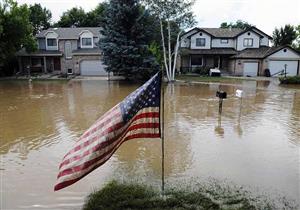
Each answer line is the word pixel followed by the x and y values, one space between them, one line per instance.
pixel 255 144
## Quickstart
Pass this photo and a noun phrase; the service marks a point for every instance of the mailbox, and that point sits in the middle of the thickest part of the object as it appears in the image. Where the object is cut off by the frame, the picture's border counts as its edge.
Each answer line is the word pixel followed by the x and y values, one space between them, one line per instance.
pixel 221 94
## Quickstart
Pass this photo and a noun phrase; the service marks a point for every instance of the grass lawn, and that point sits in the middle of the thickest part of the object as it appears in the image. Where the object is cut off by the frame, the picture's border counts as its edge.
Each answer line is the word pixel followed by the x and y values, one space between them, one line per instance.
pixel 135 196
pixel 197 78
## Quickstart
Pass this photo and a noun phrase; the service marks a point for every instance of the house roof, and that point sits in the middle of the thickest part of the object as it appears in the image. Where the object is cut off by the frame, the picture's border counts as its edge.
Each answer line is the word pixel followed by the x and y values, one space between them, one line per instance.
pixel 213 51
pixel 261 52
pixel 226 32
pixel 23 52
pixel 223 32
pixel 217 32
pixel 70 33
pixel 91 51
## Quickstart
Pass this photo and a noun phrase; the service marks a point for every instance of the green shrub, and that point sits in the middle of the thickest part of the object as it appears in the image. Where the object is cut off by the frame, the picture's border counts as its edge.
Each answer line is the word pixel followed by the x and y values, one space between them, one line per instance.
pixel 203 70
pixel 290 80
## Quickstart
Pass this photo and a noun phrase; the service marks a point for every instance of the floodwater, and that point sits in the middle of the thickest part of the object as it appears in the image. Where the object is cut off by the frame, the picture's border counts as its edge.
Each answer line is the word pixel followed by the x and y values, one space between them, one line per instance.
pixel 254 144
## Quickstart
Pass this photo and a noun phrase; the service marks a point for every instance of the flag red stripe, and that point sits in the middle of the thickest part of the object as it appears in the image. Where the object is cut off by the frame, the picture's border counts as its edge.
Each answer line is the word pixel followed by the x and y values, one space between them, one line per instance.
pixel 108 120
pixel 110 129
pixel 99 147
pixel 72 181
pixel 108 142
pixel 95 138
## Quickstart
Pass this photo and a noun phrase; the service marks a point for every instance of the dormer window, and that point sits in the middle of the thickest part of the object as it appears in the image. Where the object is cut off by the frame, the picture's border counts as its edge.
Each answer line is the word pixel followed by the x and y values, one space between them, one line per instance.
pixel 86 39
pixel 86 42
pixel 51 41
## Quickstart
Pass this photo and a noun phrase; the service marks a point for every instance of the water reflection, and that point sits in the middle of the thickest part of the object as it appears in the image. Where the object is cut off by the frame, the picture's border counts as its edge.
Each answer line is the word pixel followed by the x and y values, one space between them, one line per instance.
pixel 254 143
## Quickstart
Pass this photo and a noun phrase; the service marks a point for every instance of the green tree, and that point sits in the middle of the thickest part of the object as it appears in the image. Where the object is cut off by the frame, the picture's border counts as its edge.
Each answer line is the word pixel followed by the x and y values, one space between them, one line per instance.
pixel 125 42
pixel 296 45
pixel 95 17
pixel 39 18
pixel 174 16
pixel 74 17
pixel 16 30
pixel 238 24
pixel 284 36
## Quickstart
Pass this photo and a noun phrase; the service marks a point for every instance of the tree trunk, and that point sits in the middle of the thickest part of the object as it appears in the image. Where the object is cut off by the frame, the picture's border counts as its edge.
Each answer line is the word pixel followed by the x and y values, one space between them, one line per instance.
pixel 175 55
pixel 169 50
pixel 164 49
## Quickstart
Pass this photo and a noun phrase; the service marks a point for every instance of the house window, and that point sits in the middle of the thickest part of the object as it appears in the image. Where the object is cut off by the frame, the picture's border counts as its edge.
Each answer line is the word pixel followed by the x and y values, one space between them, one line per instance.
pixel 200 42
pixel 224 41
pixel 68 49
pixel 196 60
pixel 86 42
pixel 51 42
pixel 248 42
pixel 70 71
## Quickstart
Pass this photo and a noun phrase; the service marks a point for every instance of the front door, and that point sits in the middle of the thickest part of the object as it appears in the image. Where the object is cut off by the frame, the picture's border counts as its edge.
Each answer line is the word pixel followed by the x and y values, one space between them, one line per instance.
pixel 56 64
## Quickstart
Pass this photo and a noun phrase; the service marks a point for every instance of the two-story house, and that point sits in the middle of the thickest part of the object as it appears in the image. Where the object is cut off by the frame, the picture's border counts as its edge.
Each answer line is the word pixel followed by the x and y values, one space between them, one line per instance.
pixel 65 51
pixel 237 51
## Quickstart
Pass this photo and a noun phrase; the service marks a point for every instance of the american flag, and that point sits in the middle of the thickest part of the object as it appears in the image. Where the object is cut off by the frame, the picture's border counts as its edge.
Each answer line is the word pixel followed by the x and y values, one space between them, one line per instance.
pixel 137 116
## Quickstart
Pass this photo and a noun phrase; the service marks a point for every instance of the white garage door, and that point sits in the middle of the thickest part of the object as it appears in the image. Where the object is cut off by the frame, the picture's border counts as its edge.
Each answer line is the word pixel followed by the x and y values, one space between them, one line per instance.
pixel 92 68
pixel 276 66
pixel 250 69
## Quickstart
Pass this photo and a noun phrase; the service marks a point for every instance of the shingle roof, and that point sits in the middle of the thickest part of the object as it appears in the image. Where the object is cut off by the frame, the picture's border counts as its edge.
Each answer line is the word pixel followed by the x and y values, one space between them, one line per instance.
pixel 213 51
pixel 92 51
pixel 70 33
pixel 261 52
pixel 223 32
pixel 23 52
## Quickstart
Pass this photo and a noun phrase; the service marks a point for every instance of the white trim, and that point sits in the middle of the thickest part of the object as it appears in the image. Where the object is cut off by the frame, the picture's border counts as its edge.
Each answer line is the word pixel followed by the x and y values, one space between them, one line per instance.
pixel 89 35
pixel 51 35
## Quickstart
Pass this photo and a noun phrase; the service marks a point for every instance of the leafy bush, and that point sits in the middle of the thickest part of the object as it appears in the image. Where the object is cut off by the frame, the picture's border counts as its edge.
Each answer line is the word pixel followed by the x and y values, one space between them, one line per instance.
pixel 203 70
pixel 290 80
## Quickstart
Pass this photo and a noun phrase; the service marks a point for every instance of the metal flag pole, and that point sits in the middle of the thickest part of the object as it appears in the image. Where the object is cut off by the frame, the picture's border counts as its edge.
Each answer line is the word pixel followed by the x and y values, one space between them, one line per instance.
pixel 162 135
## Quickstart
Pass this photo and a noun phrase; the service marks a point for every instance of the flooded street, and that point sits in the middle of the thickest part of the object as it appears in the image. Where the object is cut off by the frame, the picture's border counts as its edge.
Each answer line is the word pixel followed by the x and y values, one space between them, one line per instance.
pixel 256 145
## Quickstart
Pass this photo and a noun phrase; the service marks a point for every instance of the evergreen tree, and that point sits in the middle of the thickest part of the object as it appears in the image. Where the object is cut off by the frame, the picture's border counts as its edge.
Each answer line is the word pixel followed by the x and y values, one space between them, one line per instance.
pixel 125 40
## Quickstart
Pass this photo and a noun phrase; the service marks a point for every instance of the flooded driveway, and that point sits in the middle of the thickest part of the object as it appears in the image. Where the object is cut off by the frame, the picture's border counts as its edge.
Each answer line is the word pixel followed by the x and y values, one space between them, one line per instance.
pixel 254 144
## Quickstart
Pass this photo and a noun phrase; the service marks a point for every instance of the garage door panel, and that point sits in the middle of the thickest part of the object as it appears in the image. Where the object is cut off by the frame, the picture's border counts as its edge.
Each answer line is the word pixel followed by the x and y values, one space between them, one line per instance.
pixel 250 69
pixel 92 68
pixel 276 66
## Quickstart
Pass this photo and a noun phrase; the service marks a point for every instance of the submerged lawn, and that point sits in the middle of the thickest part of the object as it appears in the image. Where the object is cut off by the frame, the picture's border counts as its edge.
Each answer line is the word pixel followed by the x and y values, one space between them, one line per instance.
pixel 135 196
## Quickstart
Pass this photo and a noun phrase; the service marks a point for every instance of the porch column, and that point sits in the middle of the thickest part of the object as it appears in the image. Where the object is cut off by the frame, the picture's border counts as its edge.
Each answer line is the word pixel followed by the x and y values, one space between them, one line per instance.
pixel 20 64
pixel 219 62
pixel 45 65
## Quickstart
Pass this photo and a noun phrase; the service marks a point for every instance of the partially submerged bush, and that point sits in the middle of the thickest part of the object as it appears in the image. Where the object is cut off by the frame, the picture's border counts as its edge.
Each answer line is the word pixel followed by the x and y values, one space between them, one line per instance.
pixel 290 80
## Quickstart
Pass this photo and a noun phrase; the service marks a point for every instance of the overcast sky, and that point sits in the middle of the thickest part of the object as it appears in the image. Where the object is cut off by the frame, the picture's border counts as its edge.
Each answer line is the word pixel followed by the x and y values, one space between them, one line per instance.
pixel 265 14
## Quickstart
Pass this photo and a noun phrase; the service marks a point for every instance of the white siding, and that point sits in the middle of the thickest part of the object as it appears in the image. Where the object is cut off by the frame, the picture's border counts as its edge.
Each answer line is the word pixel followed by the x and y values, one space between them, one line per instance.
pixel 264 41
pixel 240 40
pixel 217 43
pixel 205 36
pixel 281 55
pixel 185 42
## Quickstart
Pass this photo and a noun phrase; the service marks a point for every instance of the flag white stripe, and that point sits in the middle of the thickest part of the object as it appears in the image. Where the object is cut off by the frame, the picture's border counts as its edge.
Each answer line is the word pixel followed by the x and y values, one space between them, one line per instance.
pixel 103 139
pixel 112 134
pixel 75 175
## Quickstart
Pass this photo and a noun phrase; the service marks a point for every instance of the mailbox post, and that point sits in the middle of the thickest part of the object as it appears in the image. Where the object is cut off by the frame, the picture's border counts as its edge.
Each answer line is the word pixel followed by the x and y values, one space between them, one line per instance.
pixel 221 95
